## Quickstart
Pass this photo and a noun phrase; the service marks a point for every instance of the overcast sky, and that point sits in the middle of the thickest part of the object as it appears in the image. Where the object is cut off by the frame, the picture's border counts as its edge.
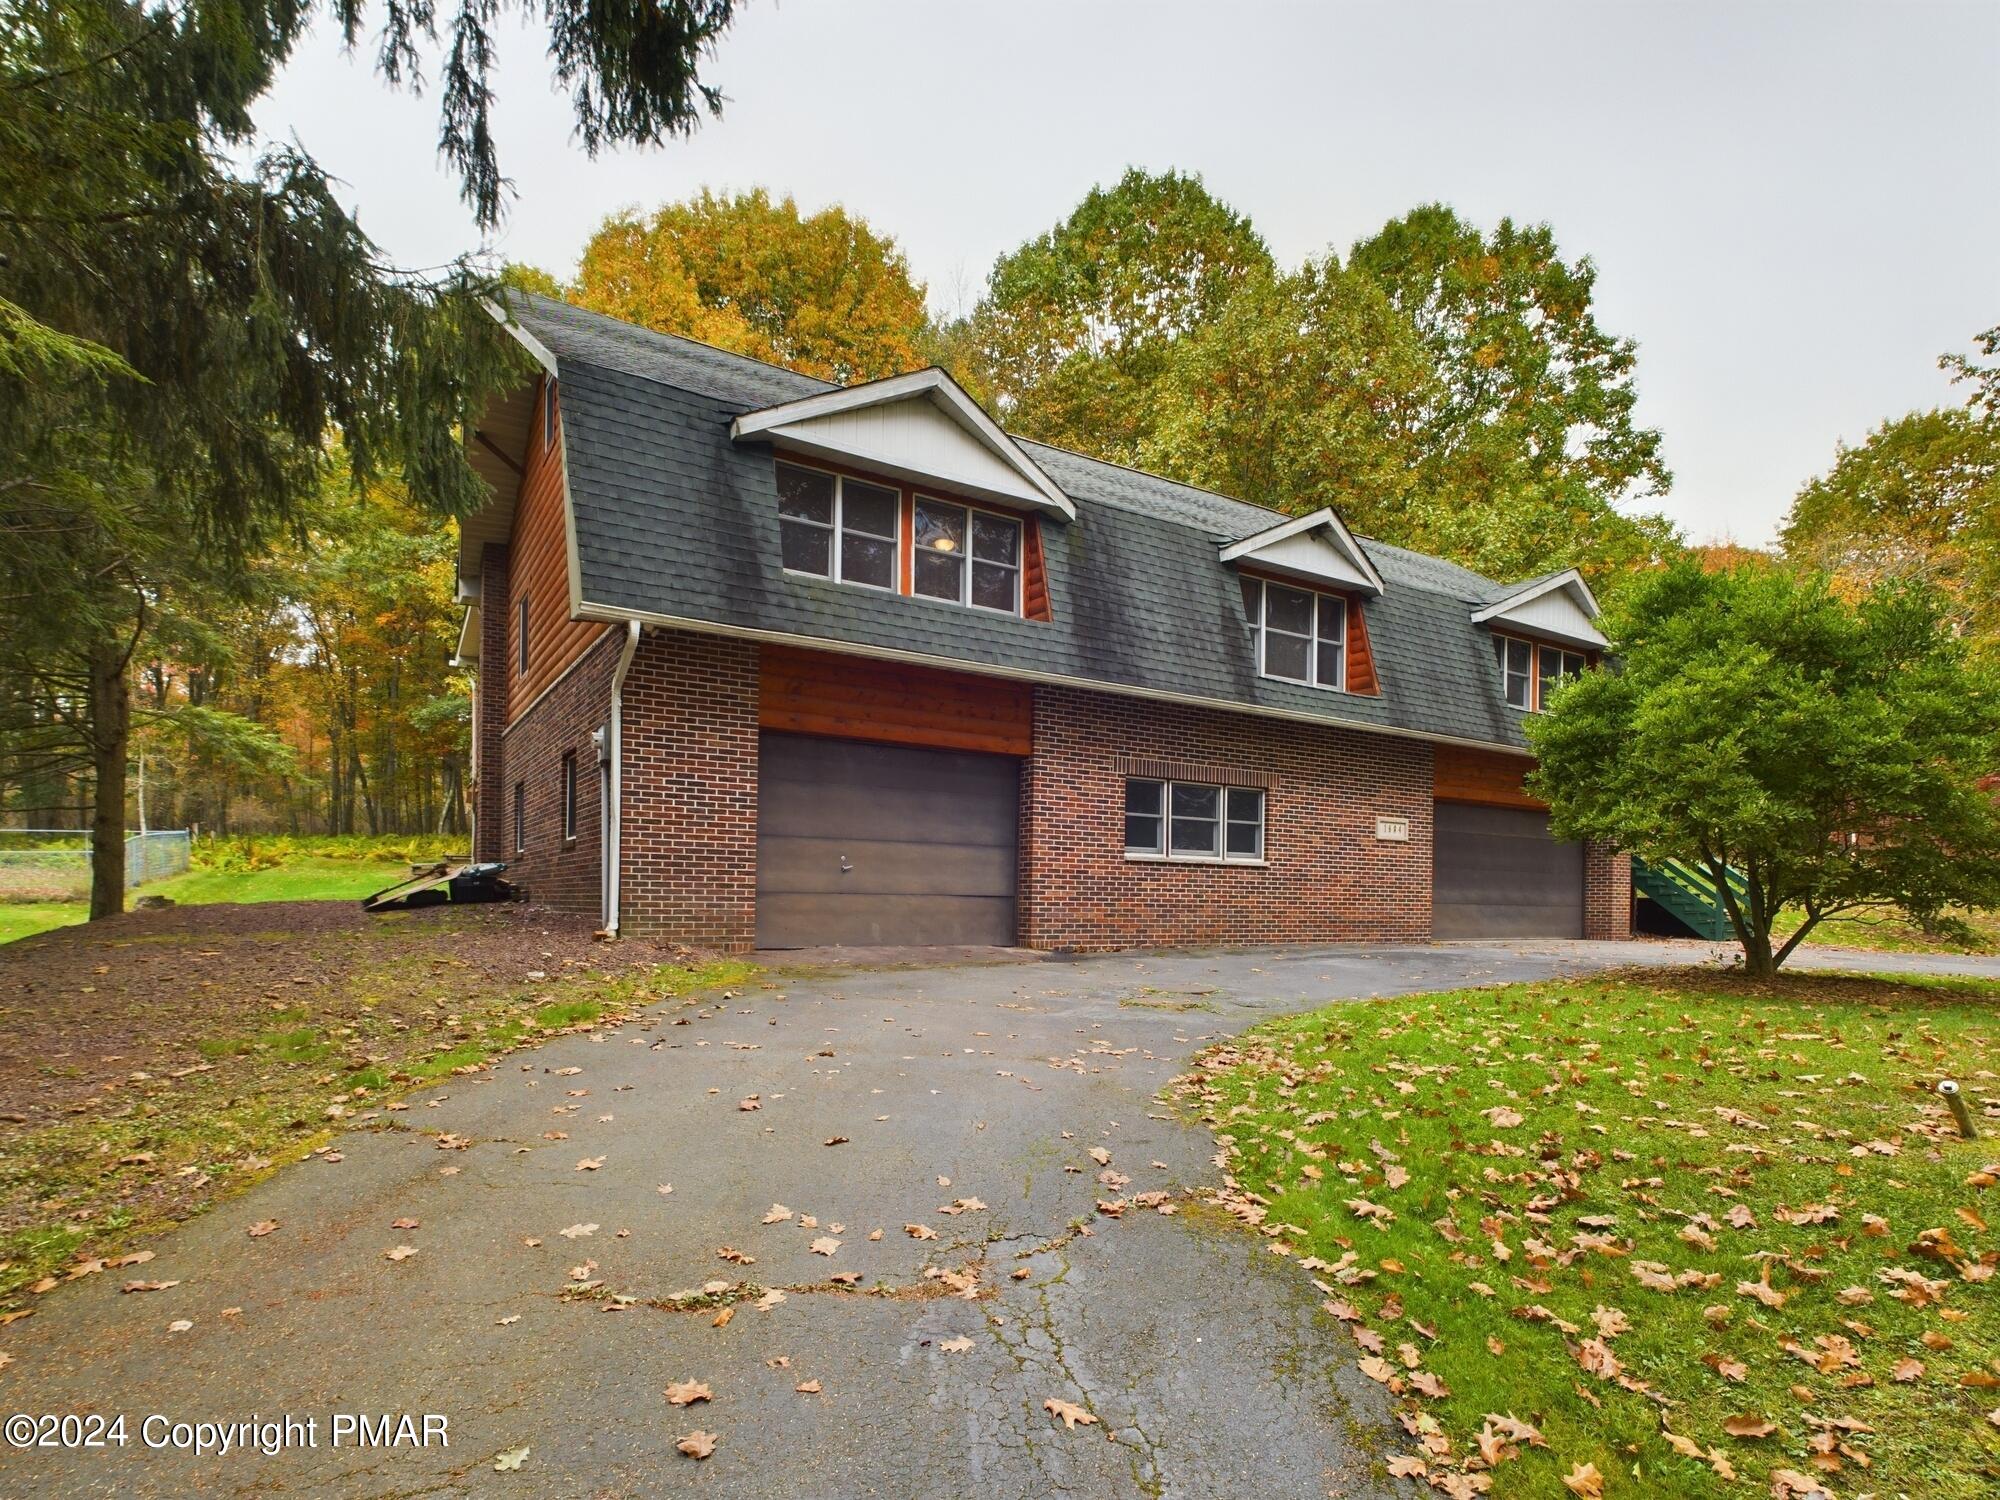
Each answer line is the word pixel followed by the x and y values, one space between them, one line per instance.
pixel 1792 208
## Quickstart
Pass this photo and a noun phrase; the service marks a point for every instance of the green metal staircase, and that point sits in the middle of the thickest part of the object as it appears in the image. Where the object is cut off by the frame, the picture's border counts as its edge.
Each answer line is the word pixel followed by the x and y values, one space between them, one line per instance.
pixel 1687 895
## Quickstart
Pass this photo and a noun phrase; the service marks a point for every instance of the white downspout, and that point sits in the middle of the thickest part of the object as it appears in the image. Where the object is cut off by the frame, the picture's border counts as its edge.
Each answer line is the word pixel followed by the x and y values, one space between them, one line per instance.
pixel 614 817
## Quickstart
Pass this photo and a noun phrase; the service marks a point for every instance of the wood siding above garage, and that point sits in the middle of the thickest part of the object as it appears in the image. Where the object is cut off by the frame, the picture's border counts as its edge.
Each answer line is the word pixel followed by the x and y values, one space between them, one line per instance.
pixel 1485 777
pixel 856 698
pixel 538 561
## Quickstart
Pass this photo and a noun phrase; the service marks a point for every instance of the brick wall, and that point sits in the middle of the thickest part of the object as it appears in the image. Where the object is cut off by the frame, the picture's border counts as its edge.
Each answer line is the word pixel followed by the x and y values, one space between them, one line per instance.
pixel 559 872
pixel 690 790
pixel 489 792
pixel 1328 877
pixel 1607 892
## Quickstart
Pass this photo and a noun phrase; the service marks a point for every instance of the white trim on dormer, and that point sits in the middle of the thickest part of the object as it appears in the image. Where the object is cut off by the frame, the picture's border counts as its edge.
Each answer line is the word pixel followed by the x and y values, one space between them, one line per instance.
pixel 940 436
pixel 1317 548
pixel 1561 608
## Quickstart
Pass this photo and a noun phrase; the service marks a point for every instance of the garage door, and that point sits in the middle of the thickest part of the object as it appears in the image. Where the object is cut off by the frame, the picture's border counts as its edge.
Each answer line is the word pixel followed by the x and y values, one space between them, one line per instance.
pixel 1496 873
pixel 864 844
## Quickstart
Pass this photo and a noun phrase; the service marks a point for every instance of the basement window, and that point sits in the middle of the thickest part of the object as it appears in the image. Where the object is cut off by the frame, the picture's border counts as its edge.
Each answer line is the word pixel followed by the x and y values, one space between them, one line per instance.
pixel 1182 820
pixel 520 816
pixel 569 797
pixel 834 526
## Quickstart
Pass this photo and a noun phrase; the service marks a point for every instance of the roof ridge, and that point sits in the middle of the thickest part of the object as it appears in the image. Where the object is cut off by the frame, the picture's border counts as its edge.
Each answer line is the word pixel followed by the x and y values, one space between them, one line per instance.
pixel 626 329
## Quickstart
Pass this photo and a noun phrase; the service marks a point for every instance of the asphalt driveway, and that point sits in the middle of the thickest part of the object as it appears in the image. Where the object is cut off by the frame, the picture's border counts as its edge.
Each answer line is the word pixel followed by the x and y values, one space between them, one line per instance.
pixel 882 1099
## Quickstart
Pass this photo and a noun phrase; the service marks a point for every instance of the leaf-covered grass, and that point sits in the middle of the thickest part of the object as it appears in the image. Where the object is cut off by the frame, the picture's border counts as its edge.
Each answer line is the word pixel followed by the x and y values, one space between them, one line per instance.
pixel 1887 930
pixel 186 1137
pixel 1617 1208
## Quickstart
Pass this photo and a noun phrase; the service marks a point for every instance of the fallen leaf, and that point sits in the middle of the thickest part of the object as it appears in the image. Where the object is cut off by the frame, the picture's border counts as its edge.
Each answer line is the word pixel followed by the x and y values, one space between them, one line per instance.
pixel 1067 1413
pixel 1099 1155
pixel 262 1227
pixel 577 1231
pixel 955 1346
pixel 1501 1117
pixel 826 1244
pixel 590 1164
pixel 777 1214
pixel 807 1387
pixel 409 1224
pixel 512 1459
pixel 1749 1425
pixel 401 1252
pixel 920 1231
pixel 1585 1480
pixel 687 1392
pixel 180 1325
pixel 697 1444
pixel 148 1286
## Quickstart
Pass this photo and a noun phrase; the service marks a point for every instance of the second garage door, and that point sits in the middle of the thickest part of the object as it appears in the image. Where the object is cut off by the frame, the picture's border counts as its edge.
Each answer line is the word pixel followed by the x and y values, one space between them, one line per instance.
pixel 863 844
pixel 1497 873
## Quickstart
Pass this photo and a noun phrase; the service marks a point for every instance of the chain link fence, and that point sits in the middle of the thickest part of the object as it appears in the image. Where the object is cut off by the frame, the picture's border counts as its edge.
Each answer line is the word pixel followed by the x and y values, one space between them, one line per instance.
pixel 53 864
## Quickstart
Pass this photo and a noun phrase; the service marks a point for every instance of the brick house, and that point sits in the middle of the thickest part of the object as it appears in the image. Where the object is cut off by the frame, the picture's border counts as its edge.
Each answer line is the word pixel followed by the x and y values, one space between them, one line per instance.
pixel 764 661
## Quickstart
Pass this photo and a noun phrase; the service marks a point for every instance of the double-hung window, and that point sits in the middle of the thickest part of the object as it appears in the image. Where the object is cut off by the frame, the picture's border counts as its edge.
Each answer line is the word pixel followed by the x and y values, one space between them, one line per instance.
pixel 1187 820
pixel 1556 667
pixel 1517 670
pixel 966 556
pixel 1530 672
pixel 1300 635
pixel 837 527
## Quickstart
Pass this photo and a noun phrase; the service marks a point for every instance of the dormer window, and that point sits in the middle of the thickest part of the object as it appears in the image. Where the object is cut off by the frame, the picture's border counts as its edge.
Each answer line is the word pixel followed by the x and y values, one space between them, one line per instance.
pixel 1532 670
pixel 1300 635
pixel 835 526
pixel 966 556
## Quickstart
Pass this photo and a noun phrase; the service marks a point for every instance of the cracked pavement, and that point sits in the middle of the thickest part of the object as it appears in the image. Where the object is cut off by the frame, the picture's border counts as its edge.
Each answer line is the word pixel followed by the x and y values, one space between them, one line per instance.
pixel 1202 1356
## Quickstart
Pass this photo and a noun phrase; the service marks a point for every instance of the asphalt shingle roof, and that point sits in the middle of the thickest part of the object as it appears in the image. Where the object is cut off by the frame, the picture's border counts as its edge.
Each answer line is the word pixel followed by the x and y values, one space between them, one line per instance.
pixel 674 519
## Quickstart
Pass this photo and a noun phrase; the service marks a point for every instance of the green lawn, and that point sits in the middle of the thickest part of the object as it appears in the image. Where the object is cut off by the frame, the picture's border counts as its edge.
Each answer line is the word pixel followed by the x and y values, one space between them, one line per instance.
pixel 1563 1221
pixel 20 919
pixel 305 879
pixel 1888 931
pixel 298 880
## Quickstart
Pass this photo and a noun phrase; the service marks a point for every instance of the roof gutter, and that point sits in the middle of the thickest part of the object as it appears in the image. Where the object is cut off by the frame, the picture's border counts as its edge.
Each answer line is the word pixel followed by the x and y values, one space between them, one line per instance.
pixel 614 812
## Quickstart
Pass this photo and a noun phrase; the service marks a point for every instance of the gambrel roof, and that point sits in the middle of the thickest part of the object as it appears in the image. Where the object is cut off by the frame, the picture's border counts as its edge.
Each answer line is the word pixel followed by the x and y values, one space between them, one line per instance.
pixel 668 445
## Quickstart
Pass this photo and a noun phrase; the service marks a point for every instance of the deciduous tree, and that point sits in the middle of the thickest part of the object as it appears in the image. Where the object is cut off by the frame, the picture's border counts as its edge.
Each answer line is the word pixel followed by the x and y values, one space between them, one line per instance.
pixel 821 293
pixel 1828 752
pixel 1077 324
pixel 1920 498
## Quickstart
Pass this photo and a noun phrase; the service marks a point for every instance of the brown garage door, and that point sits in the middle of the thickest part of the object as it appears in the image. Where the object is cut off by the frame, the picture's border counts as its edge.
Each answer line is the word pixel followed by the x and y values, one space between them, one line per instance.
pixel 1496 873
pixel 863 844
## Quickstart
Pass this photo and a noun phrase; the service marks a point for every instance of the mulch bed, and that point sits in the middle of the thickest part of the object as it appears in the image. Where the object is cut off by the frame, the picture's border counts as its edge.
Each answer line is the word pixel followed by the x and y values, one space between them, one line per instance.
pixel 86 1006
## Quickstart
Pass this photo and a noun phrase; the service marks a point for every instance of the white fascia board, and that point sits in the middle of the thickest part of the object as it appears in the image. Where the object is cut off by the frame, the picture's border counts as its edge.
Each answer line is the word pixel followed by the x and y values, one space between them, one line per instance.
pixel 1570 581
pixel 468 636
pixel 1364 576
pixel 1561 608
pixel 535 347
pixel 790 421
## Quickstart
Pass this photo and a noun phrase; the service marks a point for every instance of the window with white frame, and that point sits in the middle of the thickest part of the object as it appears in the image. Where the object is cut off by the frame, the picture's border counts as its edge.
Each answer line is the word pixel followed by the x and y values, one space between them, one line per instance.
pixel 835 526
pixel 1555 666
pixel 1300 635
pixel 1189 820
pixel 967 556
pixel 1531 671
